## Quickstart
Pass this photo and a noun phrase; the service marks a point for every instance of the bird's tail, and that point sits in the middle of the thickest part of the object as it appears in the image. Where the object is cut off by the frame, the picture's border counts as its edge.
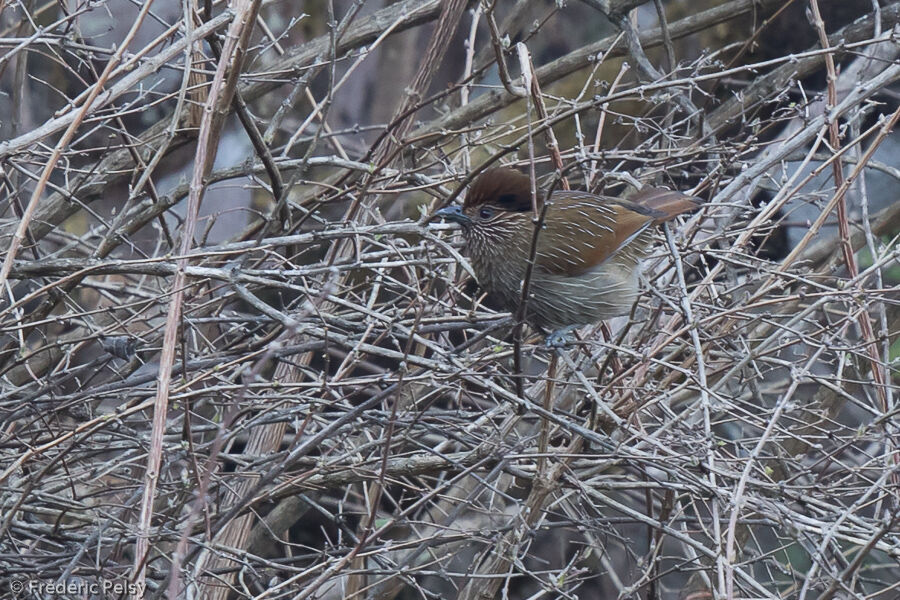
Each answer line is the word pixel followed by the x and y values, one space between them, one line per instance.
pixel 664 205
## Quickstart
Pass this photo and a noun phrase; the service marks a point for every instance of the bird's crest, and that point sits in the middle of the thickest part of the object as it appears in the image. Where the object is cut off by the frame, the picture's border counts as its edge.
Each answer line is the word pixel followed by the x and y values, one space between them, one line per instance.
pixel 502 187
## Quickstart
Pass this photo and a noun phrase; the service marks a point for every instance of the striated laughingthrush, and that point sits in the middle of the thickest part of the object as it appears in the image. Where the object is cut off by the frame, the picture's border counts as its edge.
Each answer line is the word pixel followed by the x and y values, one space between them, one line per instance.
pixel 588 250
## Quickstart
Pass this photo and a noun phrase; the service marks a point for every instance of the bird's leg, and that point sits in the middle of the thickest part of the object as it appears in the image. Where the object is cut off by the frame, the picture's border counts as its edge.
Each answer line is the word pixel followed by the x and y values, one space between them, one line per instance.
pixel 560 338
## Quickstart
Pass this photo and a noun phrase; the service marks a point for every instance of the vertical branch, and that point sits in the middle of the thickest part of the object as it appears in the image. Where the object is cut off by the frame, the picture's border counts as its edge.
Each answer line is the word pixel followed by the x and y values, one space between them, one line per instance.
pixel 497 45
pixel 222 88
pixel 722 567
pixel 467 75
pixel 601 122
pixel 534 89
pixel 865 324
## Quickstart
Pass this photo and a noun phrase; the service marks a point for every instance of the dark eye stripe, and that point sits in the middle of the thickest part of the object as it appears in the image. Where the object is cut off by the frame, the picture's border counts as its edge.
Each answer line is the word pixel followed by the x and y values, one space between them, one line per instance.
pixel 513 202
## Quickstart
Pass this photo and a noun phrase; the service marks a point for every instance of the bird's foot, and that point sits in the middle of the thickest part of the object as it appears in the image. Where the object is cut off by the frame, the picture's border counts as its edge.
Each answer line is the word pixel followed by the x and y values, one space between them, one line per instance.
pixel 560 338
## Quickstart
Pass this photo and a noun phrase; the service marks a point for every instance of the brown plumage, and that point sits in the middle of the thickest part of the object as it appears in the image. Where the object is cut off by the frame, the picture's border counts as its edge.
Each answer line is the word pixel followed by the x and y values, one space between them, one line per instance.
pixel 588 251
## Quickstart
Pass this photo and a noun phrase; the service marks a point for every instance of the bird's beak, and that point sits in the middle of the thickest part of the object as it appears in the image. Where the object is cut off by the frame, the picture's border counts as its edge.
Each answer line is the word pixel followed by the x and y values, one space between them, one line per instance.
pixel 453 213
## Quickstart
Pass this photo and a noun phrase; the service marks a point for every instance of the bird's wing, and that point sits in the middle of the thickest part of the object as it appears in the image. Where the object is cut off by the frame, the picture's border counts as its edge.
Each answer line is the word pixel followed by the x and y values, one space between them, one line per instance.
pixel 579 235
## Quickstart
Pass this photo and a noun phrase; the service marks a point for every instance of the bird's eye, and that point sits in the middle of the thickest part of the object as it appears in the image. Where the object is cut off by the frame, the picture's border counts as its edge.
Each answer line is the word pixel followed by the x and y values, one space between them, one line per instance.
pixel 486 213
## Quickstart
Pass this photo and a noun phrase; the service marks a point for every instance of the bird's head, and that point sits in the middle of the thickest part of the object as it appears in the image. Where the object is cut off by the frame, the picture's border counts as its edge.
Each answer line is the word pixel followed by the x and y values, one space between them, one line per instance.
pixel 498 200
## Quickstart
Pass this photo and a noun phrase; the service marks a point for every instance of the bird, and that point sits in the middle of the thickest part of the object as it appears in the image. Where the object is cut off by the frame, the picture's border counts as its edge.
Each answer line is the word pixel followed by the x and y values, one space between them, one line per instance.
pixel 588 250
